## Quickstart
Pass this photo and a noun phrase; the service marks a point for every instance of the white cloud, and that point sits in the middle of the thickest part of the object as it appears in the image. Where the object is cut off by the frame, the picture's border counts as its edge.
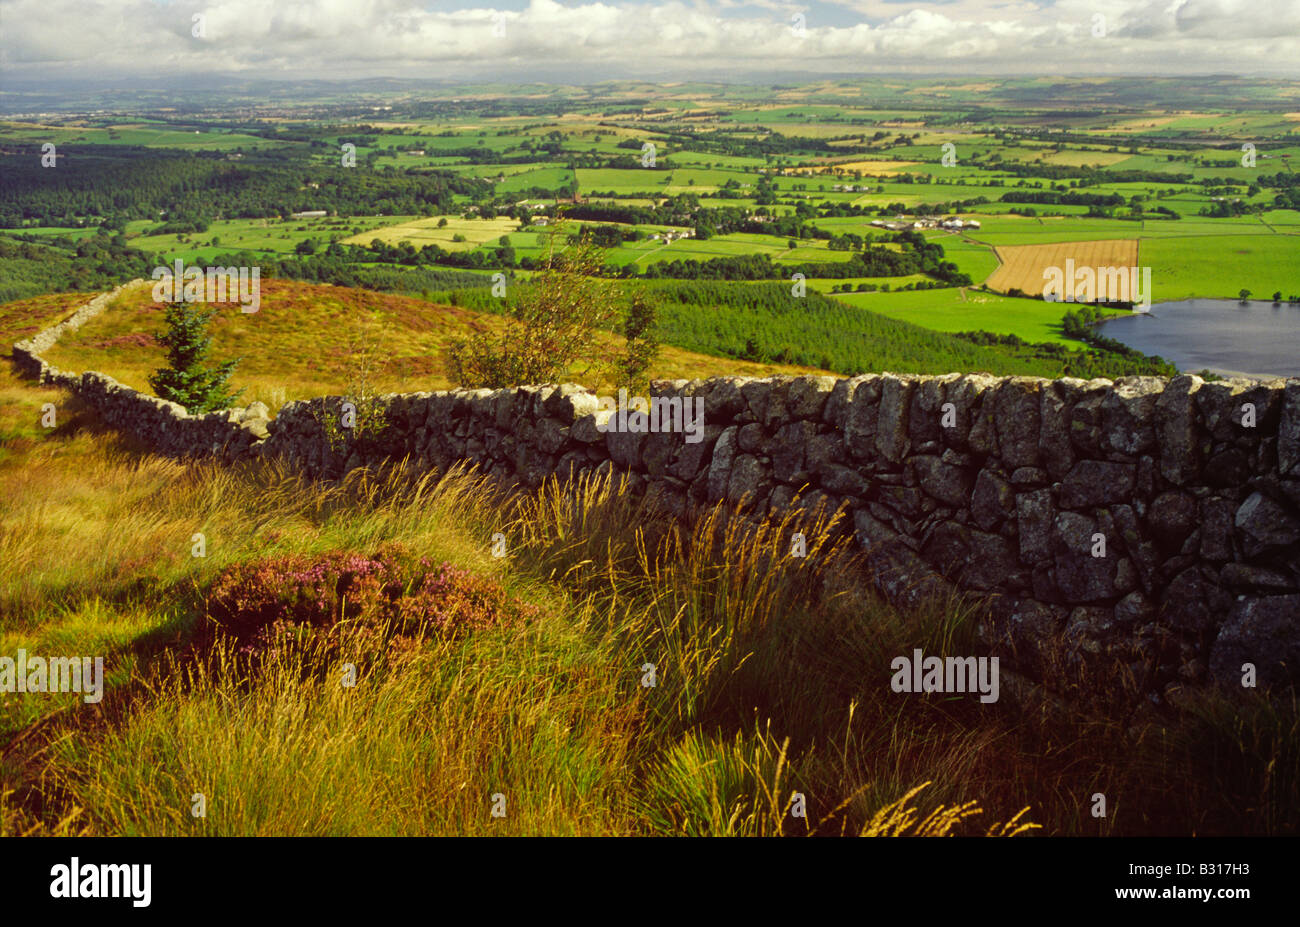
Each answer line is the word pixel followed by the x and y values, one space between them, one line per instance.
pixel 337 38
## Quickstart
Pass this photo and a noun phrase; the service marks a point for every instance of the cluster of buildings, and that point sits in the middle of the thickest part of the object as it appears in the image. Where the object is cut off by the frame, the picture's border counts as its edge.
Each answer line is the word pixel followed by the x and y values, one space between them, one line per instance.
pixel 670 237
pixel 952 223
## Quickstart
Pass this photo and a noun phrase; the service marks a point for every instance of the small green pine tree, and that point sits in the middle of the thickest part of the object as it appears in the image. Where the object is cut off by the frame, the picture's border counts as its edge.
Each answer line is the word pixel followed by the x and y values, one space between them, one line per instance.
pixel 187 379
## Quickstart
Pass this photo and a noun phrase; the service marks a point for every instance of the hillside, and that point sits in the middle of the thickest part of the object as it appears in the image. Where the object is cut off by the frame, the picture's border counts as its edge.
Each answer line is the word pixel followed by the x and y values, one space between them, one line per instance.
pixel 209 680
pixel 764 322
pixel 306 340
pixel 312 339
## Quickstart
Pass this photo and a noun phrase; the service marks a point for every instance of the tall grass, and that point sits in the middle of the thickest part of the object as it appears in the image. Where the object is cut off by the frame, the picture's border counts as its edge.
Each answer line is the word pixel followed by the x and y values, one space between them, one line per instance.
pixel 419 745
pixel 771 677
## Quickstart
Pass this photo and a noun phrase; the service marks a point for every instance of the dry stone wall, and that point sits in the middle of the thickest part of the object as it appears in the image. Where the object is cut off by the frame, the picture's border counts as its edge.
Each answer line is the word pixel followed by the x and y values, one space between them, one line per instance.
pixel 164 426
pixel 27 353
pixel 1146 520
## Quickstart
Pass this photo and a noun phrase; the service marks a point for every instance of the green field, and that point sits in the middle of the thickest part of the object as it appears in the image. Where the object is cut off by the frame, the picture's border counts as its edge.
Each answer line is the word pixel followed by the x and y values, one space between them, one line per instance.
pixel 621 181
pixel 547 178
pixel 825 285
pixel 971 257
pixel 735 244
pixel 1221 266
pixel 159 135
pixel 968 310
pixel 275 236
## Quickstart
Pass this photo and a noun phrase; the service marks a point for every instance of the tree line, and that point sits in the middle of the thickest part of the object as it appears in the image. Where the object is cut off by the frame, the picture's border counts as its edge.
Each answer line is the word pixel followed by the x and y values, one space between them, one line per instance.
pixel 188 188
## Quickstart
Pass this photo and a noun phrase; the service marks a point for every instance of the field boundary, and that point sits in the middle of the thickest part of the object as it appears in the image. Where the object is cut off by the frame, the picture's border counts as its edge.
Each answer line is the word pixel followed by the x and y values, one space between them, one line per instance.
pixel 1146 520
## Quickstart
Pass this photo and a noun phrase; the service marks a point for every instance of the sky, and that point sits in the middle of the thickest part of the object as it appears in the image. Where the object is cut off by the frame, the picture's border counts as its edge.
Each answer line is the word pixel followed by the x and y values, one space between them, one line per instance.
pixel 581 41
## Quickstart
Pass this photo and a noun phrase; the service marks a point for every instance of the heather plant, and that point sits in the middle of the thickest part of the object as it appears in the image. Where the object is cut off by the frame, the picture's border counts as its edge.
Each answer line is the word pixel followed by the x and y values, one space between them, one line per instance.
pixel 262 600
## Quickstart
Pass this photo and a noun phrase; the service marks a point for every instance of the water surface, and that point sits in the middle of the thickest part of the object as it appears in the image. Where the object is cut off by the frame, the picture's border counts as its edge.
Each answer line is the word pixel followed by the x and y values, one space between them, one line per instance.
pixel 1226 336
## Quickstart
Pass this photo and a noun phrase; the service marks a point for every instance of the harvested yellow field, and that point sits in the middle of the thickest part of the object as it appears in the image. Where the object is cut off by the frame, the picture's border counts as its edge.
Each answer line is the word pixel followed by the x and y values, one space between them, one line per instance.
pixel 964 87
pixel 1023 265
pixel 423 232
pixel 960 139
pixel 873 167
pixel 1142 123
pixel 1081 158
pixel 876 167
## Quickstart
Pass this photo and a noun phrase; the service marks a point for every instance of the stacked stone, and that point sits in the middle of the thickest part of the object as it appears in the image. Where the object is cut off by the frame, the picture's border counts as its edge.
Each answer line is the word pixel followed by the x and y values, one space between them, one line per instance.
pixel 1003 487
pixel 27 353
pixel 999 486
pixel 524 434
pixel 165 427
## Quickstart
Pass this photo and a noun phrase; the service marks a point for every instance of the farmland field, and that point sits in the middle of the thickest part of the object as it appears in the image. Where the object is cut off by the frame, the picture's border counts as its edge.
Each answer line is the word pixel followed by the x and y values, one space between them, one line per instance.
pixel 1023 266
pixel 972 257
pixel 968 310
pixel 726 152
pixel 1222 266
pixel 451 233
pixel 271 236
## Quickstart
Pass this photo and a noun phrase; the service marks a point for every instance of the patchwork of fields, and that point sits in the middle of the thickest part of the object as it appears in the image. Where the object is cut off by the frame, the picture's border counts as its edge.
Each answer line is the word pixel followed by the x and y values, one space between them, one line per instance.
pixel 496 613
pixel 1154 185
